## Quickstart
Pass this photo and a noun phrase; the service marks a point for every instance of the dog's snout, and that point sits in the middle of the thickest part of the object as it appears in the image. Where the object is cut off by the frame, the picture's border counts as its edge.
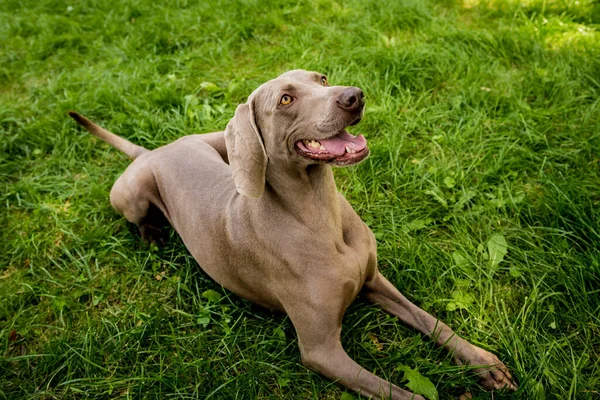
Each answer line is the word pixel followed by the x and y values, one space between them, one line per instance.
pixel 351 99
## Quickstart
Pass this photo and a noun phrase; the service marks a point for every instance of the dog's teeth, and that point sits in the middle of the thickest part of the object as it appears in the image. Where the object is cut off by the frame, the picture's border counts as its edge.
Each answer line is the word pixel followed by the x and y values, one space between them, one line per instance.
pixel 315 144
pixel 350 150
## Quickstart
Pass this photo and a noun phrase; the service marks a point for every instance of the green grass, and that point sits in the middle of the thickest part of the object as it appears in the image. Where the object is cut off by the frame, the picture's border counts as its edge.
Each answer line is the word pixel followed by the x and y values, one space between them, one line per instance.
pixel 483 119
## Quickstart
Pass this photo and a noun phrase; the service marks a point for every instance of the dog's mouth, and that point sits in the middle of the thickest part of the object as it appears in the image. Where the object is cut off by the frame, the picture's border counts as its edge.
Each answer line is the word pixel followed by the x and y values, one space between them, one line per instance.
pixel 341 149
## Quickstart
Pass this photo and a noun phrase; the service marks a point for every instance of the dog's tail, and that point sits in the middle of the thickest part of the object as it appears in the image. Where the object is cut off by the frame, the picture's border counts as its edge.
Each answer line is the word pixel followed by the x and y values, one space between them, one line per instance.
pixel 132 150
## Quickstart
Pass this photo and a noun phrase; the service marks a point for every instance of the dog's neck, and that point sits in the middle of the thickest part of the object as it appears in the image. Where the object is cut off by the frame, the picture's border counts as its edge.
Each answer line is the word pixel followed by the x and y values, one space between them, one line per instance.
pixel 309 193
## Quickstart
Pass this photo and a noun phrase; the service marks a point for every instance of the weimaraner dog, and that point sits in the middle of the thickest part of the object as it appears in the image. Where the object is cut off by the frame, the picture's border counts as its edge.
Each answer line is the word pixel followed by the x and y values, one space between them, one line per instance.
pixel 257 207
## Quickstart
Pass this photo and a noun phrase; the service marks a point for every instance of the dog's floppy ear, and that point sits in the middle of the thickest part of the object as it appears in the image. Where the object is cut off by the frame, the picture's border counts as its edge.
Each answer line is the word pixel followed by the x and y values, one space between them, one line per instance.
pixel 246 151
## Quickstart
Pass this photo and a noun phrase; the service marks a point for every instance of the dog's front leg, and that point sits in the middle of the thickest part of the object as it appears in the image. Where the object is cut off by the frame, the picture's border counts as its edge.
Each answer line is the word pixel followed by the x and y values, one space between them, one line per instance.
pixel 493 373
pixel 318 328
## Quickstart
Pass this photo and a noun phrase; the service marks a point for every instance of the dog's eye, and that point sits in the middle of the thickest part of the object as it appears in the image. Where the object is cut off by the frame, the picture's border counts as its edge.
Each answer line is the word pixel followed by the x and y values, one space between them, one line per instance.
pixel 324 81
pixel 285 99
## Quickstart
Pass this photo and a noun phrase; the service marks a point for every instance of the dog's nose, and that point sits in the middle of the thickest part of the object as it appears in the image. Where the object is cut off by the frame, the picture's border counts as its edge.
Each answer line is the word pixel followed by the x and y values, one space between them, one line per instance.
pixel 351 99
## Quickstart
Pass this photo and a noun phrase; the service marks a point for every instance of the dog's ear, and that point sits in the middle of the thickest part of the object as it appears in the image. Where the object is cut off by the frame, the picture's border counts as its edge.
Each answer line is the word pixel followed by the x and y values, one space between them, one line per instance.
pixel 246 151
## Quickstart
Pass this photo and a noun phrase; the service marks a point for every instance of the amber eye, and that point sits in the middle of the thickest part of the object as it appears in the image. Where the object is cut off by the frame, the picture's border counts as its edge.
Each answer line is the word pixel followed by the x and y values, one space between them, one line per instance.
pixel 285 99
pixel 324 81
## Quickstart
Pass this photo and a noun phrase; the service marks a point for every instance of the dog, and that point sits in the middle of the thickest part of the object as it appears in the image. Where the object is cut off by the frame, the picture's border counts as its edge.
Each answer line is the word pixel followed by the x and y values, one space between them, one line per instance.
pixel 258 208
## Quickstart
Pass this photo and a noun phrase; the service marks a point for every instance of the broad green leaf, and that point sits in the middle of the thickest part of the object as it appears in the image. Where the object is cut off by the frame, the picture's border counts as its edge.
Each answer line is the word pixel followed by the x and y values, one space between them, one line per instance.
pixel 462 283
pixel 97 299
pixel 209 87
pixel 497 248
pixel 449 182
pixel 203 318
pixel 464 199
pixel 347 396
pixel 438 196
pixel 460 300
pixel 418 383
pixel 190 100
pixel 279 334
pixel 548 373
pixel 59 303
pixel 459 259
pixel 283 381
pixel 234 85
pixel 212 296
pixel 518 198
pixel 417 224
pixel 515 272
pixel 537 390
pixel 191 114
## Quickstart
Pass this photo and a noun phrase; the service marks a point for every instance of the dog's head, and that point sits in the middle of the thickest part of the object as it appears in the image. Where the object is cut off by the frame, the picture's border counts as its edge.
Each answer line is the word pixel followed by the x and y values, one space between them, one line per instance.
pixel 296 119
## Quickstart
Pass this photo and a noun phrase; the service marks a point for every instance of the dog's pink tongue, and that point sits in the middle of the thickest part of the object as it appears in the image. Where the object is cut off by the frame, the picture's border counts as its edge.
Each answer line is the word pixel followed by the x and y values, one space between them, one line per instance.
pixel 337 144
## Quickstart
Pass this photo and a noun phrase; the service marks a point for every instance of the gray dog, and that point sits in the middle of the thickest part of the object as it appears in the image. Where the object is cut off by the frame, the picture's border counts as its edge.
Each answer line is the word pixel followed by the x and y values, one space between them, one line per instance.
pixel 258 208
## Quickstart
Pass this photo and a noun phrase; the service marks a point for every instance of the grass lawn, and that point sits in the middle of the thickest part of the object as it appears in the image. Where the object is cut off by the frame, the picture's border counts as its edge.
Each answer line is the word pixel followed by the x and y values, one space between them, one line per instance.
pixel 483 190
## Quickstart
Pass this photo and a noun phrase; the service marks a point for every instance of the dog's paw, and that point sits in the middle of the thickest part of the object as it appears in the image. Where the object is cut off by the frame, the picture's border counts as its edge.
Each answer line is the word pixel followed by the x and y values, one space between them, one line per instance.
pixel 492 372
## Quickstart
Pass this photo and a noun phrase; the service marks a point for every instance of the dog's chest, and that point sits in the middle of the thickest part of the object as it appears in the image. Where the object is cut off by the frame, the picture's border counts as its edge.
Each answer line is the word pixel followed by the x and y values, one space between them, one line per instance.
pixel 359 258
pixel 342 259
